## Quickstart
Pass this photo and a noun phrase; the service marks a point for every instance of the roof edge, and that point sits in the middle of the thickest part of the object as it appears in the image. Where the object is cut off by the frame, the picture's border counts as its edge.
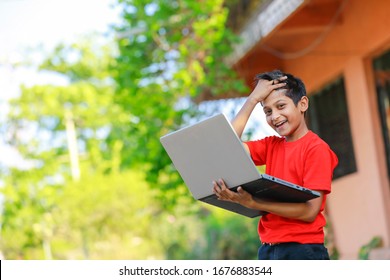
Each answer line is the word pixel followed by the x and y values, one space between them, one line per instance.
pixel 262 24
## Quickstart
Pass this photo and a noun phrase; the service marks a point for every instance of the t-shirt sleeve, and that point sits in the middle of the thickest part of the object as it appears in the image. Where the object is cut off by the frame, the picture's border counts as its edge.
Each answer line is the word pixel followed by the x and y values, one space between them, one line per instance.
pixel 258 150
pixel 318 168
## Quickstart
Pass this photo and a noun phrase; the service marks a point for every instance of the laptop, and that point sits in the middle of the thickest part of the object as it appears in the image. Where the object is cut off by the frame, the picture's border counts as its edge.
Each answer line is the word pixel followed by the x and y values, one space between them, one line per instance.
pixel 209 150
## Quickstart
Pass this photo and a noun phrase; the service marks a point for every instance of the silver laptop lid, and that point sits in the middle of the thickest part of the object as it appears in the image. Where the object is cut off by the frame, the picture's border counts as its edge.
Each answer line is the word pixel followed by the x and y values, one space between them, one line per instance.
pixel 198 152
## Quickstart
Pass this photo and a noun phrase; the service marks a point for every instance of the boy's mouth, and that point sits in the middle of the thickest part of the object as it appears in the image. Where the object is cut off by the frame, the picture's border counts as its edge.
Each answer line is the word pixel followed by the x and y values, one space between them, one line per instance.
pixel 279 124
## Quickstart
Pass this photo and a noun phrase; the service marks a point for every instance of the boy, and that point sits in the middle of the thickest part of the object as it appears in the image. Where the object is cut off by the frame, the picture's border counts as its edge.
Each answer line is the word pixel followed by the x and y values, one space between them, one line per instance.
pixel 289 230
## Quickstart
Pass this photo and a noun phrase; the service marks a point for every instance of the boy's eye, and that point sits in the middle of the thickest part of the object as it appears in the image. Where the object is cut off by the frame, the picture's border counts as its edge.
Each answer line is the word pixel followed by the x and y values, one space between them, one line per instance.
pixel 281 106
pixel 267 112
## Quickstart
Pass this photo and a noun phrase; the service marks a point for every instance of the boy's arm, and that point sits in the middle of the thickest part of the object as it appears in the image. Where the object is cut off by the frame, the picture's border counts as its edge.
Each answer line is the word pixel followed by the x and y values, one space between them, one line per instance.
pixel 306 211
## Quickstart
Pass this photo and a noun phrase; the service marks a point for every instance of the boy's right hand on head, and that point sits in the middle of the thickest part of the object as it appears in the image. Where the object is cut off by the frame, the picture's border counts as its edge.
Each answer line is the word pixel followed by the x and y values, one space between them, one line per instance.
pixel 265 87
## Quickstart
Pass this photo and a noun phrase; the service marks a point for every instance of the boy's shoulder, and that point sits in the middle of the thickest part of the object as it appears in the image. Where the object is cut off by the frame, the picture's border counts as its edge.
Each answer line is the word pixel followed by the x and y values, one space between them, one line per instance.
pixel 268 142
pixel 273 139
pixel 310 139
pixel 315 138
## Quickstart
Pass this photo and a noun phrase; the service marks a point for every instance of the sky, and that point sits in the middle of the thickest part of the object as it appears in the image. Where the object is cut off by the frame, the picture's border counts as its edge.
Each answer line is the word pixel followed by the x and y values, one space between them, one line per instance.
pixel 29 24
pixel 26 24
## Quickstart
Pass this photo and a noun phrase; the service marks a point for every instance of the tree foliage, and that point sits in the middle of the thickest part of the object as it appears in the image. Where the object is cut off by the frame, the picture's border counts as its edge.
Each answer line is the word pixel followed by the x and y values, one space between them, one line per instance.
pixel 126 201
pixel 170 54
pixel 43 122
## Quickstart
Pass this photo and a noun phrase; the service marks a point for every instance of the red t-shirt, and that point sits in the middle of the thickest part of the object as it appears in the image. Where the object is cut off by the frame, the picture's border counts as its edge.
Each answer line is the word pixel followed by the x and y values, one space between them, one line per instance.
pixel 308 162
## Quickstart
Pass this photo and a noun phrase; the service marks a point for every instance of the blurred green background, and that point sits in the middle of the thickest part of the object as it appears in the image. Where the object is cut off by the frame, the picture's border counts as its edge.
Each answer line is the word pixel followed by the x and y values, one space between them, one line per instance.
pixel 97 183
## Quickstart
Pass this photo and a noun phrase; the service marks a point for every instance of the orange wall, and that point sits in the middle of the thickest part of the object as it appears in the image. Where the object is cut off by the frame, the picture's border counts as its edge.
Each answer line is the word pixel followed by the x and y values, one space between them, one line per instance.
pixel 359 205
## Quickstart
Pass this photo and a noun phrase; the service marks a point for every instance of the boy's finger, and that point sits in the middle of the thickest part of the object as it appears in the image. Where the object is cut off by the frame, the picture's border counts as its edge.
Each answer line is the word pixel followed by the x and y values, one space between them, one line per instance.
pixel 278 80
pixel 221 184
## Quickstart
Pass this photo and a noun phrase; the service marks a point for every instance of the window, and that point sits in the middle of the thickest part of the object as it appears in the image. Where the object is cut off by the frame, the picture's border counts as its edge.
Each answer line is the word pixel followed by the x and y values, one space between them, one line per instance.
pixel 382 80
pixel 328 117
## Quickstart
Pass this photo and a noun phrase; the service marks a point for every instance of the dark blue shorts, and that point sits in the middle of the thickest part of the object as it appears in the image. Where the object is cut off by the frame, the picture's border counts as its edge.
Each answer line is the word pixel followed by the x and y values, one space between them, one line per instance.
pixel 292 251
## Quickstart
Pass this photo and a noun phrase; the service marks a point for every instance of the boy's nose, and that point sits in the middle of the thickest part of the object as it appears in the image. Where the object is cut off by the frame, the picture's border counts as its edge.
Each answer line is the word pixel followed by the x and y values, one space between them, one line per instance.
pixel 275 116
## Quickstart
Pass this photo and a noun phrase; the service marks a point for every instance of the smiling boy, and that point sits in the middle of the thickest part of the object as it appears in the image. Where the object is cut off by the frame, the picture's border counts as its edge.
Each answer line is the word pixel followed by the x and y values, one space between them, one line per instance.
pixel 298 155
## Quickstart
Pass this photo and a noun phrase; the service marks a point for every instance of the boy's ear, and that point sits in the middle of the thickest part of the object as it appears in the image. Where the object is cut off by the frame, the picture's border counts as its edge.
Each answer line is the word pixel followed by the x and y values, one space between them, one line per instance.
pixel 303 104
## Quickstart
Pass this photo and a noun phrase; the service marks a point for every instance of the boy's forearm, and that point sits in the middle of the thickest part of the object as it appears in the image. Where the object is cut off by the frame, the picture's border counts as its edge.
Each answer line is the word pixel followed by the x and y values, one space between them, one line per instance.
pixel 305 211
pixel 242 117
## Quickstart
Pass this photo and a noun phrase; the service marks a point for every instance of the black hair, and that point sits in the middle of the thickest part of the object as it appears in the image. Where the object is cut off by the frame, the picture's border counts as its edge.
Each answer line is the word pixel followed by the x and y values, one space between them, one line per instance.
pixel 294 85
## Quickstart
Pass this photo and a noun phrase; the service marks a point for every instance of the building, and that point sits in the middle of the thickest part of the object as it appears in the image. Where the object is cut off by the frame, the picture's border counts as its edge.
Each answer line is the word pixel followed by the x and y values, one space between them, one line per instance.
pixel 341 50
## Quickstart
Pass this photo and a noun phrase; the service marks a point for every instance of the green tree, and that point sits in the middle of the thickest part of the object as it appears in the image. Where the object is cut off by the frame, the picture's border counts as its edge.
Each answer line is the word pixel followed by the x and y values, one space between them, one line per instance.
pixel 55 128
pixel 171 53
pixel 99 182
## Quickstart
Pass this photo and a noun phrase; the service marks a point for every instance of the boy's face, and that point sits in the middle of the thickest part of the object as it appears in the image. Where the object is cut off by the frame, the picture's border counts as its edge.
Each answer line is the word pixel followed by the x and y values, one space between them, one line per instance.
pixel 286 118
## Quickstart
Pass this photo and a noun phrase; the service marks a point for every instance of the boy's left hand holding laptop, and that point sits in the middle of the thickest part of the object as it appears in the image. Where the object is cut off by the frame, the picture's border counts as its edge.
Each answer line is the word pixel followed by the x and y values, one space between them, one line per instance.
pixel 224 193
